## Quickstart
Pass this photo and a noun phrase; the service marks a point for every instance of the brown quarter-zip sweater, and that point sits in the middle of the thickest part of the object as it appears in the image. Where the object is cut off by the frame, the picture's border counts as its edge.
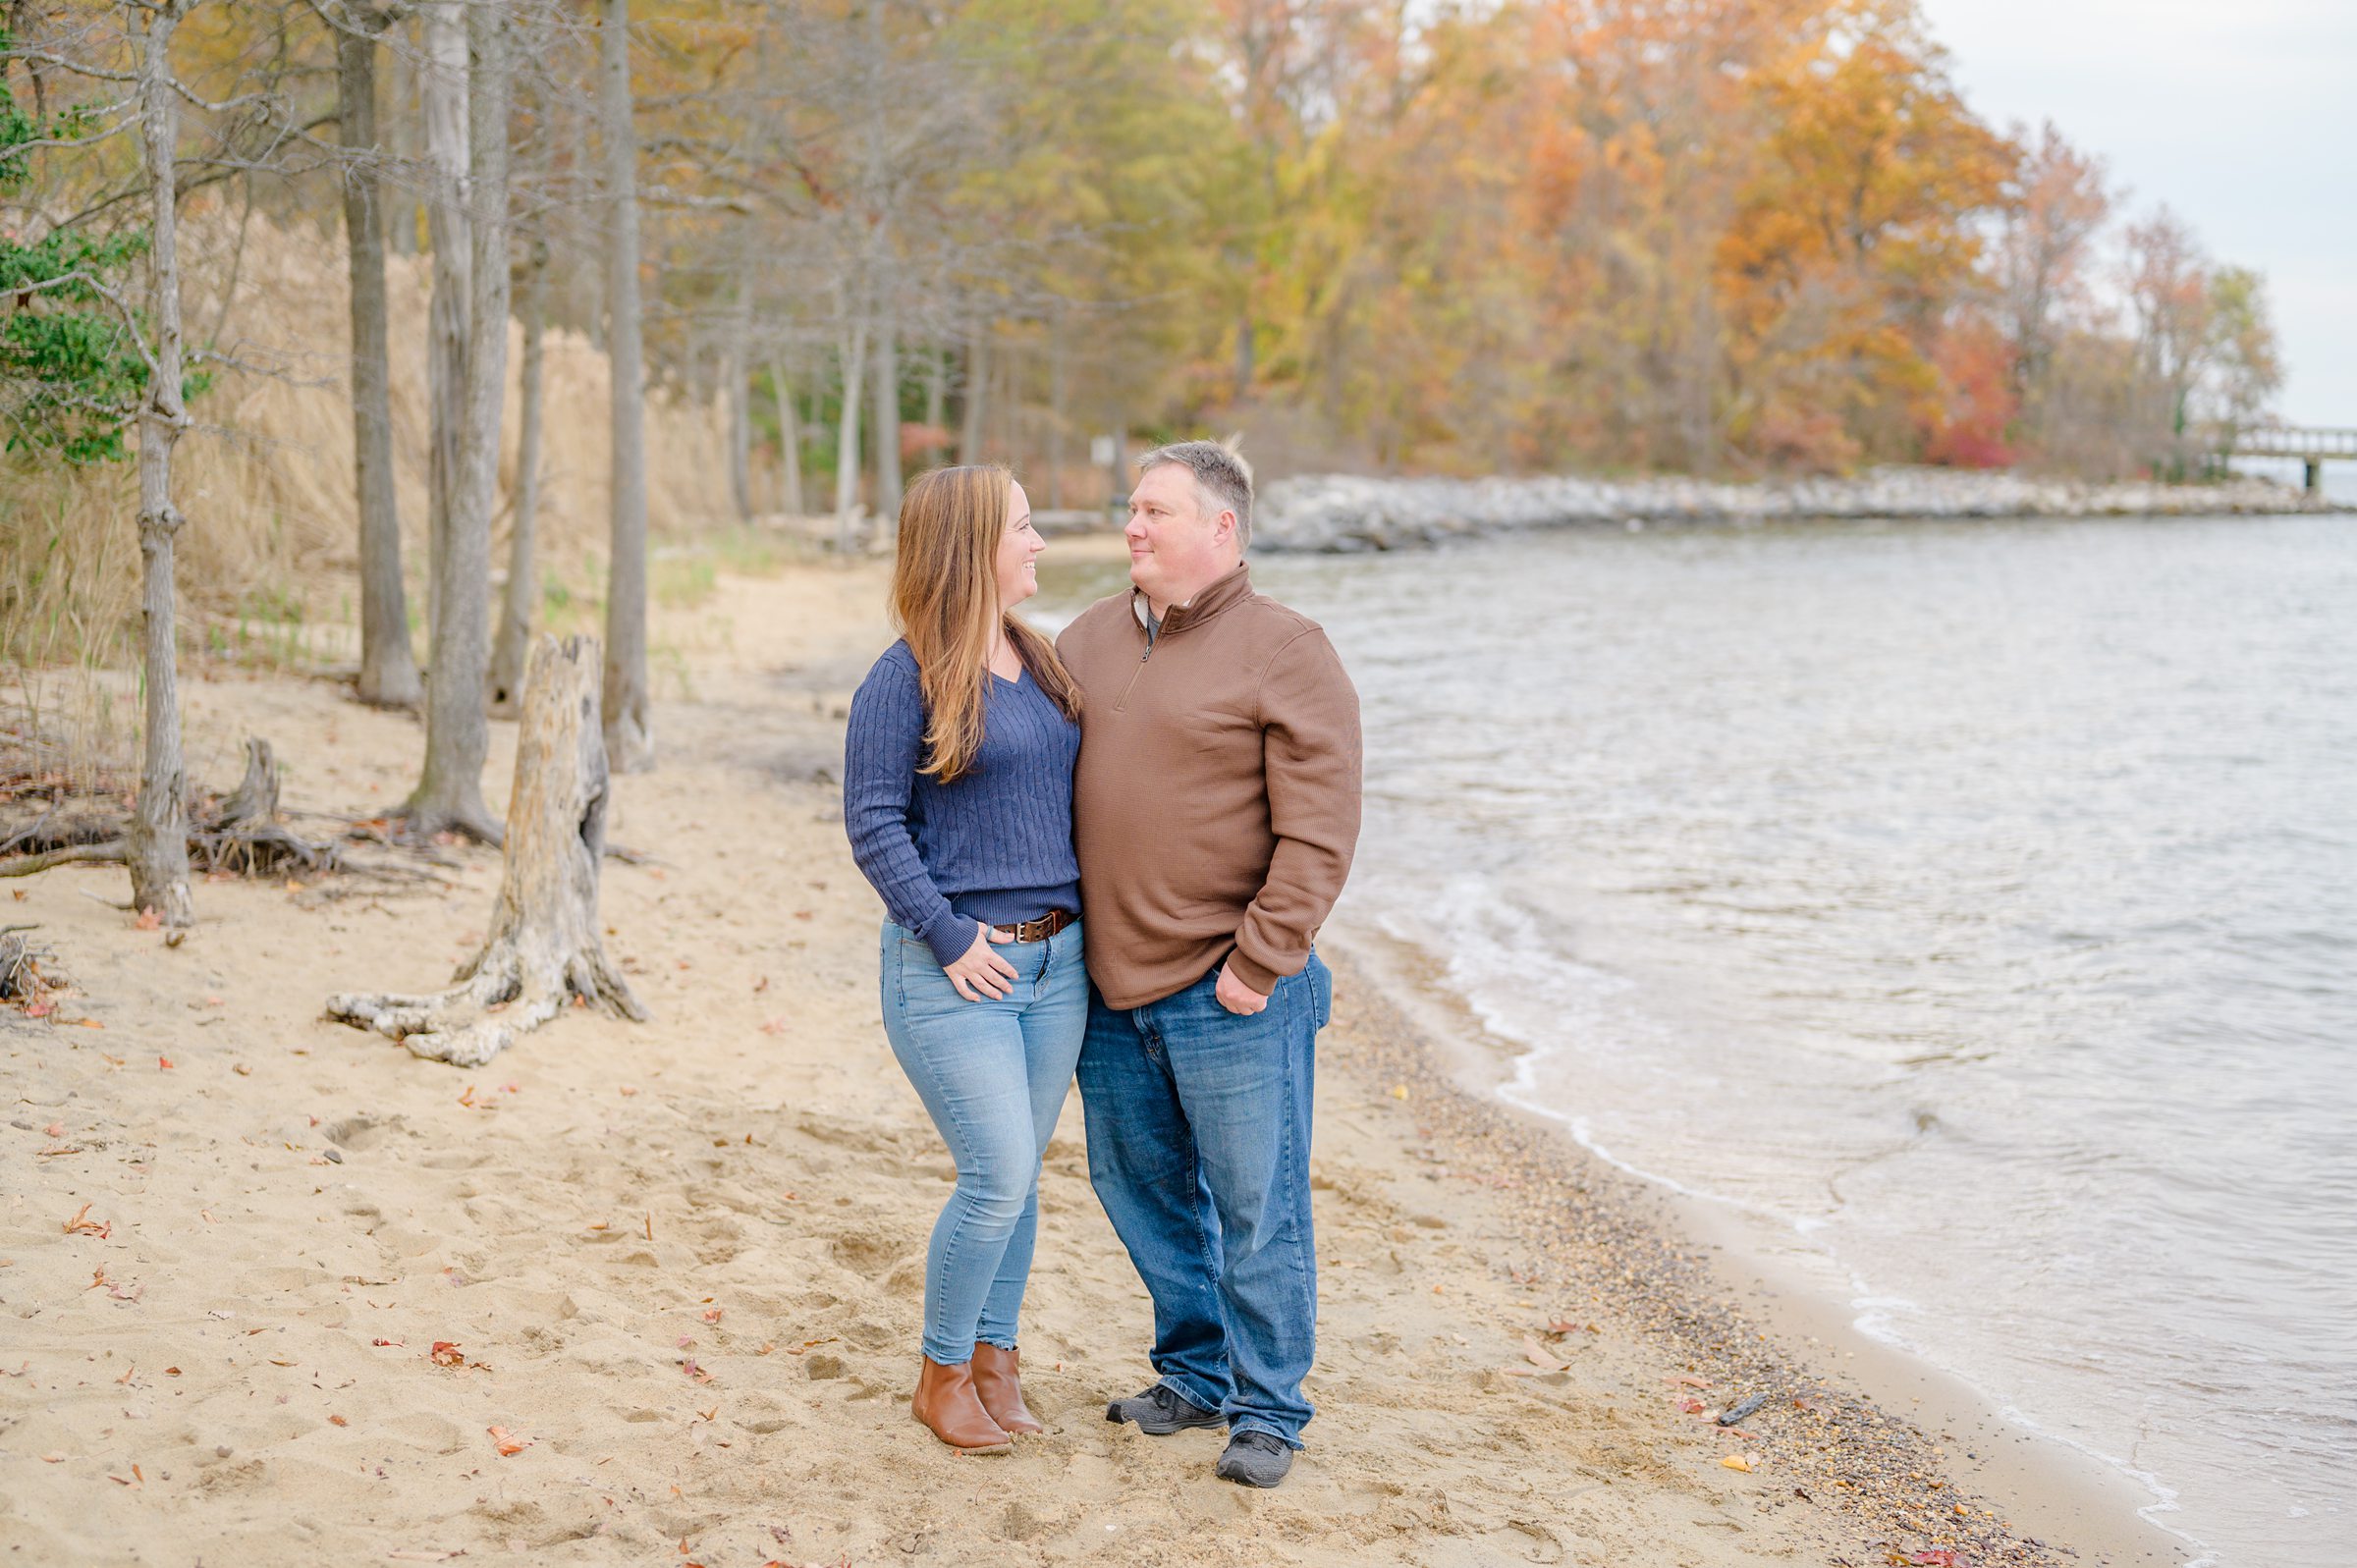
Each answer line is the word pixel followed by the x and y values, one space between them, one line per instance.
pixel 1215 802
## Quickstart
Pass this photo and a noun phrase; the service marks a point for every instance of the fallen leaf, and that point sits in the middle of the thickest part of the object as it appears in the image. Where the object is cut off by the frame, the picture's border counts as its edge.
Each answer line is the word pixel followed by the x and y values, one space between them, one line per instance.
pixel 55 1129
pixel 507 1443
pixel 1740 1462
pixel 338 1420
pixel 689 1366
pixel 446 1353
pixel 149 920
pixel 241 1070
pixel 1688 1381
pixel 1690 1405
pixel 128 1373
pixel 714 1315
pixel 53 1459
pixel 1399 1090
pixel 1560 1325
pixel 42 1008
pixel 1539 1355
pixel 628 1091
pixel 1942 1558
pixel 468 1099
pixel 390 1344
pixel 81 1227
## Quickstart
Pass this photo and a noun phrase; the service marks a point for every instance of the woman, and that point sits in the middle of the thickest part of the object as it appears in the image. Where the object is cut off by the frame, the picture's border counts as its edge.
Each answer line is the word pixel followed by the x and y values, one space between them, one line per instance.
pixel 957 796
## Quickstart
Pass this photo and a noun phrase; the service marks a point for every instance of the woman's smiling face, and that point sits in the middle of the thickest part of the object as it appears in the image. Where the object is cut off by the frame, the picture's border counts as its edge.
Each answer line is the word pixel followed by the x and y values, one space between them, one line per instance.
pixel 1018 551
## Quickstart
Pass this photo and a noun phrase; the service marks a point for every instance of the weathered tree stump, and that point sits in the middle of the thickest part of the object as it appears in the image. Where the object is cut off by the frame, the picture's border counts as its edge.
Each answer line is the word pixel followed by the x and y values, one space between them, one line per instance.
pixel 544 945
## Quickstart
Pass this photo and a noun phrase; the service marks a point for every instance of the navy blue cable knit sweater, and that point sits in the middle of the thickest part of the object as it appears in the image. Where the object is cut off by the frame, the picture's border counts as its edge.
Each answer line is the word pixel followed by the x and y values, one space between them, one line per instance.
pixel 996 847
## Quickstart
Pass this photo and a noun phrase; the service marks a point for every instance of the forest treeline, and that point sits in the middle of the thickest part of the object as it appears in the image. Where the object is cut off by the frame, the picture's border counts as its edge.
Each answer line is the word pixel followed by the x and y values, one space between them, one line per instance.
pixel 1734 237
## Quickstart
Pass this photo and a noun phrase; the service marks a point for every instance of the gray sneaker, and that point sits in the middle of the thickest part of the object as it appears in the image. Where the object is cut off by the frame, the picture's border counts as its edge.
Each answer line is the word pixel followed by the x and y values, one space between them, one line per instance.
pixel 1255 1459
pixel 1161 1411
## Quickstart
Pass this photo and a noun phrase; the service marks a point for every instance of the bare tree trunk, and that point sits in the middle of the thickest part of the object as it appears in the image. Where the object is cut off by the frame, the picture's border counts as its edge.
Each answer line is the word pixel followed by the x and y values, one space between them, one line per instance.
pixel 544 945
pixel 977 377
pixel 1117 471
pixel 400 143
pixel 159 827
pixel 736 366
pixel 847 441
pixel 888 427
pixel 1243 354
pixel 630 735
pixel 789 441
pixel 1059 377
pixel 937 386
pixel 445 103
pixel 1005 402
pixel 388 667
pixel 505 688
pixel 450 795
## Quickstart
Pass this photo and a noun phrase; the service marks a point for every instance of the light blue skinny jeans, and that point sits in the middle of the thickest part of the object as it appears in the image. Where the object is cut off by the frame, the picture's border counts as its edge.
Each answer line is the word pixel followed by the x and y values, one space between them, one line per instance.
pixel 993 1075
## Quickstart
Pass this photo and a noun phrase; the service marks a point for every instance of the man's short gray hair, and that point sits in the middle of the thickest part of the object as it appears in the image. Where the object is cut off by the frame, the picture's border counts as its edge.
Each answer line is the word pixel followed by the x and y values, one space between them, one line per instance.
pixel 1223 478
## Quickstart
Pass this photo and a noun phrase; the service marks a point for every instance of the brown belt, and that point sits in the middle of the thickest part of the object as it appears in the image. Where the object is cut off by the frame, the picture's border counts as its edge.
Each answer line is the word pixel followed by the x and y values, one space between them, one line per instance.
pixel 1042 929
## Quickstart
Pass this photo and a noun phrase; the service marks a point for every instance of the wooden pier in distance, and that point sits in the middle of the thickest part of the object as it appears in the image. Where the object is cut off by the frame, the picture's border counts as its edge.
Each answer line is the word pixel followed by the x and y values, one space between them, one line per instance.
pixel 2310 446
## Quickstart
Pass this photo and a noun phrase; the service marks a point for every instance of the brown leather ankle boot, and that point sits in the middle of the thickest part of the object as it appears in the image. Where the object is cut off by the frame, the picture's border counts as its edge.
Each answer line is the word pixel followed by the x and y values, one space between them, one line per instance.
pixel 996 1381
pixel 945 1401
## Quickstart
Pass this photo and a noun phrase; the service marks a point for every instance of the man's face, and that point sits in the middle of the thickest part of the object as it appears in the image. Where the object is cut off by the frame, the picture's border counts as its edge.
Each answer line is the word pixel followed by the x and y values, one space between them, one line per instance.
pixel 1175 550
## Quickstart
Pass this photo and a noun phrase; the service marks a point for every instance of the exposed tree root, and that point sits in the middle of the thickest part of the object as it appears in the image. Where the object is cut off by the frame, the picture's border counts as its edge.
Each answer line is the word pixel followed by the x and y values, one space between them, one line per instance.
pixel 244 834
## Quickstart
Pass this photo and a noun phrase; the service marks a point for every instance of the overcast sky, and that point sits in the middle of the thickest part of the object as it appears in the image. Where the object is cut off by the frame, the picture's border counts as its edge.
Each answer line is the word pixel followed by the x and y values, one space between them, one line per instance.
pixel 2242 117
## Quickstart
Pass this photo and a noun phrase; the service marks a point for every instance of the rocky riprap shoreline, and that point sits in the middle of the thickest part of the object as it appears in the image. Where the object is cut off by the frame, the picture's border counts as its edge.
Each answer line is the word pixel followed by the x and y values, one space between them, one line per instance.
pixel 1346 512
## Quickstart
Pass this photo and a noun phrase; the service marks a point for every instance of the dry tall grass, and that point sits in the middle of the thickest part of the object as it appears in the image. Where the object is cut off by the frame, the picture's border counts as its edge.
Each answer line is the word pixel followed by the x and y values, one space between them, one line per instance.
pixel 268 559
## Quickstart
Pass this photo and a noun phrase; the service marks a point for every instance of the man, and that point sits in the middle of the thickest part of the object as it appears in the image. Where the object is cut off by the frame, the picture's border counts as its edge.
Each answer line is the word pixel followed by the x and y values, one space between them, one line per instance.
pixel 1215 809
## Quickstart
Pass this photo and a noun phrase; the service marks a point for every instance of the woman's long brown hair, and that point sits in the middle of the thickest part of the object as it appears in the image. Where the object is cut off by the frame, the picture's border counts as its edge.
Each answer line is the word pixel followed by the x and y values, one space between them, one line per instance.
pixel 945 601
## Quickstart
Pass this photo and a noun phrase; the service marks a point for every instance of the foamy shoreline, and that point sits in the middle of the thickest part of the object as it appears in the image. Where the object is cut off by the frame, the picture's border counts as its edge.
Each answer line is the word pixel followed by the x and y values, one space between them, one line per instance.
pixel 2052 1490
pixel 1343 512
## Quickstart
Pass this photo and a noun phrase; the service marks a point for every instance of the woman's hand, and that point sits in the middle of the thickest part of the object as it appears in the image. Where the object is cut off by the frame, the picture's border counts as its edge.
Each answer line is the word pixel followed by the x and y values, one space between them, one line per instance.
pixel 980 972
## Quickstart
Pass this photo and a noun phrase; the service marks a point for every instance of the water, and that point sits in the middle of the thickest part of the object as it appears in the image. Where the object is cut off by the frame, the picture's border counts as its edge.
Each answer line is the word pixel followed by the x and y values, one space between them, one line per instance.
pixel 1973 905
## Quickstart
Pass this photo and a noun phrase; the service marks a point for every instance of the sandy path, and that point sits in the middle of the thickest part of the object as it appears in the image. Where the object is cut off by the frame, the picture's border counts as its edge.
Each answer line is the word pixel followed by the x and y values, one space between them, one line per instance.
pixel 681 1261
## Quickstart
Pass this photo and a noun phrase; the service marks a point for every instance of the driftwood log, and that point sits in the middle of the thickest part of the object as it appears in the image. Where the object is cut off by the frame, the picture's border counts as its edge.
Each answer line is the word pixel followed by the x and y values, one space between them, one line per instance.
pixel 544 946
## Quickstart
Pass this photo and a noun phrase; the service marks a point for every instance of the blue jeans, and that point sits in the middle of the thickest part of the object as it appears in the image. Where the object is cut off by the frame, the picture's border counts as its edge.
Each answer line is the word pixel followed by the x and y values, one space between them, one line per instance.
pixel 993 1076
pixel 1198 1147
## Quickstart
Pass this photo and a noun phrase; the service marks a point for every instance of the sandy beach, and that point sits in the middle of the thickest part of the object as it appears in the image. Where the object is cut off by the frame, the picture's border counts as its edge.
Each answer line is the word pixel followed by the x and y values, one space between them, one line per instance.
pixel 277 1292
